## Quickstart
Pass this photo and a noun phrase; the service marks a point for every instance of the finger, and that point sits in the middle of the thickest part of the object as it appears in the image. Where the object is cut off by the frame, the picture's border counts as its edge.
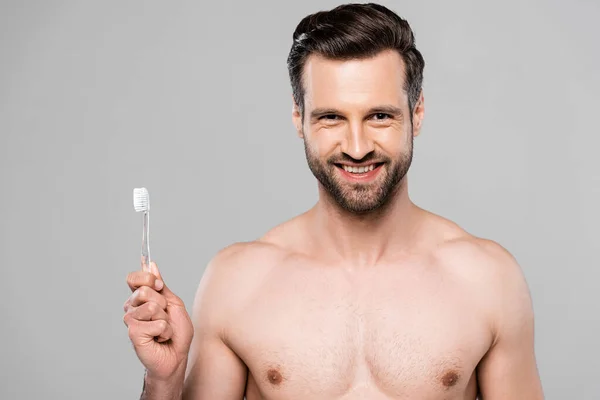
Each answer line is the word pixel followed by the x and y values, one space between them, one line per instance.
pixel 145 294
pixel 137 279
pixel 143 332
pixel 142 294
pixel 149 311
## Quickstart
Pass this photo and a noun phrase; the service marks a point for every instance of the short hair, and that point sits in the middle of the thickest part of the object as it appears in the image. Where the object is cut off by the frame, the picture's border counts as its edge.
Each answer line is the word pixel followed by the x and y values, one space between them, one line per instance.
pixel 355 31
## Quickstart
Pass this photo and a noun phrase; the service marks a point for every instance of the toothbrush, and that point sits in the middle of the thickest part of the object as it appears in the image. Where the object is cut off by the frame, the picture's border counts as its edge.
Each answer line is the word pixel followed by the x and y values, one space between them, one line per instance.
pixel 141 203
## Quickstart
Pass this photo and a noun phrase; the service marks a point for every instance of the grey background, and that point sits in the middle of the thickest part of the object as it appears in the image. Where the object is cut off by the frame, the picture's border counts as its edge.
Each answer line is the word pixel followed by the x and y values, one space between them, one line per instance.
pixel 192 100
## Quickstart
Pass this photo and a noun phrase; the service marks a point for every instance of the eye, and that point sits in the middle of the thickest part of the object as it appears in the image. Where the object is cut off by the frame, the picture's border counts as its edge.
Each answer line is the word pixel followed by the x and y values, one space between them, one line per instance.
pixel 381 116
pixel 330 119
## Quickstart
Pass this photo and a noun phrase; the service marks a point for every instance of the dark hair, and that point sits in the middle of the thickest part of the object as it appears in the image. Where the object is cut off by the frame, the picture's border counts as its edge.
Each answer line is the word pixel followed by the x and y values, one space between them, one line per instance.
pixel 354 31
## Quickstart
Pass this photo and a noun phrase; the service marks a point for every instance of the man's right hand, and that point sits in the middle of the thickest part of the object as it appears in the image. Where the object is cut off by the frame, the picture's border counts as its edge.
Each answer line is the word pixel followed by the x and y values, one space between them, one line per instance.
pixel 159 326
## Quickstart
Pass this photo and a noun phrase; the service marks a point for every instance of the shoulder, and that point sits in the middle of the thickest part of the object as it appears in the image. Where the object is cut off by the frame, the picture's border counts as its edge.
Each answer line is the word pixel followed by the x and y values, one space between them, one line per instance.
pixel 483 268
pixel 239 265
pixel 230 280
pixel 453 247
pixel 259 255
pixel 466 248
pixel 241 255
pixel 480 257
pixel 234 273
pixel 493 276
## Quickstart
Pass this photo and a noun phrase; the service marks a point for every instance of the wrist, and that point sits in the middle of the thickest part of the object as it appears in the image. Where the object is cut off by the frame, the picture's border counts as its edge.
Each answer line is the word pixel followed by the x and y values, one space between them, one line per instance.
pixel 164 387
pixel 179 371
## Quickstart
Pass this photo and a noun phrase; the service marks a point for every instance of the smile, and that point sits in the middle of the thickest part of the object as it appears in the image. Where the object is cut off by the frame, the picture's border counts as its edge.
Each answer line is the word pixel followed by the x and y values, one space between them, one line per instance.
pixel 363 169
pixel 358 170
pixel 363 173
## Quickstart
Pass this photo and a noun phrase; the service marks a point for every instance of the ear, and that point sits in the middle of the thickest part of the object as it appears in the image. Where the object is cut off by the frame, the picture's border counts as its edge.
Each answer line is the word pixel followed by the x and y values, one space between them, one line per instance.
pixel 297 119
pixel 418 114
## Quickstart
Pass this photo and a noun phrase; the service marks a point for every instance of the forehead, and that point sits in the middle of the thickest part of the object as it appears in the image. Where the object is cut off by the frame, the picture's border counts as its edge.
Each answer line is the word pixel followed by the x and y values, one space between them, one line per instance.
pixel 354 83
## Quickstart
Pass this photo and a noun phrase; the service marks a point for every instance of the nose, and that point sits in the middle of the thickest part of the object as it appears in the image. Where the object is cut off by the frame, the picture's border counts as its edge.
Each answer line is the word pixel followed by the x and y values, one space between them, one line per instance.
pixel 357 143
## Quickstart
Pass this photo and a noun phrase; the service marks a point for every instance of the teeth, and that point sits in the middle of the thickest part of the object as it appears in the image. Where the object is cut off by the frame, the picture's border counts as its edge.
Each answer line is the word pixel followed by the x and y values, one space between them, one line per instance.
pixel 359 170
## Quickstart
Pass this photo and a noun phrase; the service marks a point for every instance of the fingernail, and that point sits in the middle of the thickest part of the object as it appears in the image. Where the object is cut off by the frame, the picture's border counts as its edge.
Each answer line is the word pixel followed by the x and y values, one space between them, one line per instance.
pixel 158 284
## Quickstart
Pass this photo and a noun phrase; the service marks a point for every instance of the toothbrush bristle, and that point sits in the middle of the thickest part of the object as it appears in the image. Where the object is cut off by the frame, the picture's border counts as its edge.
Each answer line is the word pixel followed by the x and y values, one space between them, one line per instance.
pixel 141 199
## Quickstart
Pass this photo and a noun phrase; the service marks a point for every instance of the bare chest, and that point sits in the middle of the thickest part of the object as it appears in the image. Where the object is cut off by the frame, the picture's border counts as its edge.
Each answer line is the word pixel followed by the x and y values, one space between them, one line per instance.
pixel 326 335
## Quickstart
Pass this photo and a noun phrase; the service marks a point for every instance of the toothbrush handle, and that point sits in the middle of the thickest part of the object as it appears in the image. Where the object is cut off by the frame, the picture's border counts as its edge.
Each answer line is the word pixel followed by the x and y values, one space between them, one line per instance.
pixel 146 243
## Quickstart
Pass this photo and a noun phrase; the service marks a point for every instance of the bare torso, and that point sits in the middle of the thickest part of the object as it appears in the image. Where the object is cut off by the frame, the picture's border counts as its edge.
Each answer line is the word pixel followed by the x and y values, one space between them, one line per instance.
pixel 414 325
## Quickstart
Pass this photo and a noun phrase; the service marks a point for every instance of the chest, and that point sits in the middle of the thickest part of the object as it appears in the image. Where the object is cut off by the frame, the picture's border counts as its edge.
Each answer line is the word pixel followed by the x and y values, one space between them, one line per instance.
pixel 308 335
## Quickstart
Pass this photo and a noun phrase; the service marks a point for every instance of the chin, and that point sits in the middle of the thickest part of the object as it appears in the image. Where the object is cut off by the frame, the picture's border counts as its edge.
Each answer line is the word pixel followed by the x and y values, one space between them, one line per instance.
pixel 360 205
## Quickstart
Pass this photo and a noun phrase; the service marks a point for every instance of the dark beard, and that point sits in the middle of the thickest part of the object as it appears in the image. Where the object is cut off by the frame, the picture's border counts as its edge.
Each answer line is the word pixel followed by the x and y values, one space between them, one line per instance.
pixel 360 198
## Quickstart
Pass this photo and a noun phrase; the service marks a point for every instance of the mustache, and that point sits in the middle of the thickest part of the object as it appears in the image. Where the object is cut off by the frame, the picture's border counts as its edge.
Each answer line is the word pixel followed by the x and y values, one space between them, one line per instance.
pixel 372 156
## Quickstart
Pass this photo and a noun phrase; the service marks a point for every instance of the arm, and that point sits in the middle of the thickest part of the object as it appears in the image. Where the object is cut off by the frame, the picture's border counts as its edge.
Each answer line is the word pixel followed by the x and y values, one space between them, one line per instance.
pixel 214 372
pixel 508 370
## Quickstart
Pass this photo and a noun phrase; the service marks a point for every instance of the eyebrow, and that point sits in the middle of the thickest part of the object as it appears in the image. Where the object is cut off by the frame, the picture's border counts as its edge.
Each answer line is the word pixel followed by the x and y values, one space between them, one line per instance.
pixel 387 109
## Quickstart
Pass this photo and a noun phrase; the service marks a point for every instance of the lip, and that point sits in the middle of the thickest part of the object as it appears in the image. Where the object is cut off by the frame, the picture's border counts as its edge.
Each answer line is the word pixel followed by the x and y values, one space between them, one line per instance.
pixel 359 165
pixel 360 178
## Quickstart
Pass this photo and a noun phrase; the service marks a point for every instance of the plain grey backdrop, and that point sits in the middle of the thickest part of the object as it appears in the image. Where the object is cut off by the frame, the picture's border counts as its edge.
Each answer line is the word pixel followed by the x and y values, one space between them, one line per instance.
pixel 192 101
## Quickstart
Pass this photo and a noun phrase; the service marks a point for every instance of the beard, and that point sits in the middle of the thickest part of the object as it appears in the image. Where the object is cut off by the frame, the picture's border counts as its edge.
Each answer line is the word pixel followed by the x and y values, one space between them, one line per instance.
pixel 360 198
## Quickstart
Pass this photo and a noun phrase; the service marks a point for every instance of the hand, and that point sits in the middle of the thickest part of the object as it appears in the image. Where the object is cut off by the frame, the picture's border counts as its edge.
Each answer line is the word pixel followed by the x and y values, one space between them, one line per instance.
pixel 159 326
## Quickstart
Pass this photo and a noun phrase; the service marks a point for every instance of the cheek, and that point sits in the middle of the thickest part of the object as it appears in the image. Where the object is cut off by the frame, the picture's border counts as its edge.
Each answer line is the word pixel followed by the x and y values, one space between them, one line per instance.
pixel 393 140
pixel 324 142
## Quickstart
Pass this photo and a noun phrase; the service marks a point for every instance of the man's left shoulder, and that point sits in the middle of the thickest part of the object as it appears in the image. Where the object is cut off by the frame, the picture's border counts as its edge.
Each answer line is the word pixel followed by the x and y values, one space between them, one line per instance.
pixel 481 260
pixel 467 247
pixel 491 277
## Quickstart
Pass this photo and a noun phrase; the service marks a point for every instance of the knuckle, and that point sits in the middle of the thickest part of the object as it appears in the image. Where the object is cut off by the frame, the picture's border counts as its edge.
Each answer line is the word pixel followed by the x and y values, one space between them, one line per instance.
pixel 143 292
pixel 133 298
pixel 128 317
pixel 133 332
pixel 162 324
pixel 153 307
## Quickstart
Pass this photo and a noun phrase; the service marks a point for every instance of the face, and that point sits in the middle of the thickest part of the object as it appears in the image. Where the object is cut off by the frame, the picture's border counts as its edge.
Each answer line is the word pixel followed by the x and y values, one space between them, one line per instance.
pixel 357 128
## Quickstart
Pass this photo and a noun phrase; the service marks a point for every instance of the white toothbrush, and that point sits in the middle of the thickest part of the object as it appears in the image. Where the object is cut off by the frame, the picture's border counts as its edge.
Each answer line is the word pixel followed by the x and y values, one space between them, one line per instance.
pixel 141 203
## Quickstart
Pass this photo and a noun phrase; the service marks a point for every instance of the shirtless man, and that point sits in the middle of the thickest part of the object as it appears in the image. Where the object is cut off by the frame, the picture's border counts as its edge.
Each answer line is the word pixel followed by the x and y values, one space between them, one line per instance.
pixel 365 295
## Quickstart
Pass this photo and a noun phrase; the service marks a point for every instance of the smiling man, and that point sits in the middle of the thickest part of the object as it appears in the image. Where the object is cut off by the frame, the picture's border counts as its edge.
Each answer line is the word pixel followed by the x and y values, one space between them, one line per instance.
pixel 365 295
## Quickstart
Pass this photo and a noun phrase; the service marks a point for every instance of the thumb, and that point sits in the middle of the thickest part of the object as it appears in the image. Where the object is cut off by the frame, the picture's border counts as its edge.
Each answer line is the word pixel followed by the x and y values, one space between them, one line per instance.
pixel 154 270
pixel 164 290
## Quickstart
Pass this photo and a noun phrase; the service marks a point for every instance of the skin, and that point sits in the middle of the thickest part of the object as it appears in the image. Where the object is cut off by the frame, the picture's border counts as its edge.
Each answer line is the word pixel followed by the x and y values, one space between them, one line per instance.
pixel 391 303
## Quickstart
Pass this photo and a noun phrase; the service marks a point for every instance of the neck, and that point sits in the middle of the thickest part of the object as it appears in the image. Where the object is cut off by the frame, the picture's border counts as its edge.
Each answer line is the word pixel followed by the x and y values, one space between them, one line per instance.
pixel 364 239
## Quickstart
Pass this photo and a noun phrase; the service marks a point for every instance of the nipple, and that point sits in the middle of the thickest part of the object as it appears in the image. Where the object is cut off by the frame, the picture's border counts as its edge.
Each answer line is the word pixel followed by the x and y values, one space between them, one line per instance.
pixel 450 379
pixel 274 376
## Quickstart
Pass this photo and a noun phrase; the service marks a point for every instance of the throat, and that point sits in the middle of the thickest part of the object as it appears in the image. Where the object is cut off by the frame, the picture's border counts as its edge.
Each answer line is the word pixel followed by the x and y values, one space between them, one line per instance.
pixel 364 239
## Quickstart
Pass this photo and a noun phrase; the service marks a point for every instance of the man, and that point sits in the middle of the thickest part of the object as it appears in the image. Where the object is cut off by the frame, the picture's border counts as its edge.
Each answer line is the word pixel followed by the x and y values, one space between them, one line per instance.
pixel 364 296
